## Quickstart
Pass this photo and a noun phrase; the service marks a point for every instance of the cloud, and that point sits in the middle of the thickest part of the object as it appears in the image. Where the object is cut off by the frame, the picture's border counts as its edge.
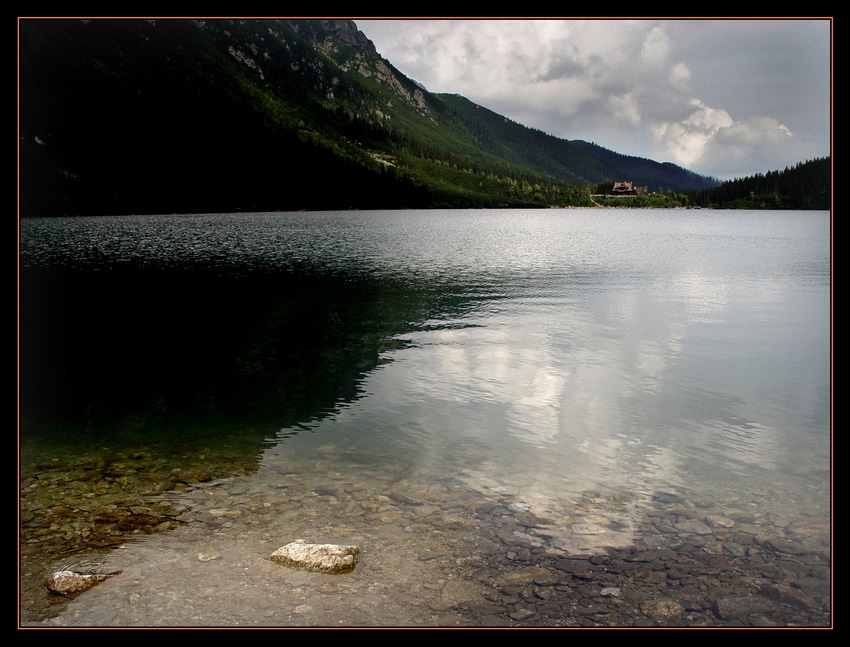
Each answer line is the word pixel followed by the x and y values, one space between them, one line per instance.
pixel 680 75
pixel 686 141
pixel 697 93
pixel 723 145
pixel 626 109
pixel 754 132
pixel 564 64
pixel 656 48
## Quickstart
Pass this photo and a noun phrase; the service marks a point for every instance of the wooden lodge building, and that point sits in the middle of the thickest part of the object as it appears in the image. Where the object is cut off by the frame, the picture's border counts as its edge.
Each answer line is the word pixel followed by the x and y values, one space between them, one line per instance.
pixel 628 189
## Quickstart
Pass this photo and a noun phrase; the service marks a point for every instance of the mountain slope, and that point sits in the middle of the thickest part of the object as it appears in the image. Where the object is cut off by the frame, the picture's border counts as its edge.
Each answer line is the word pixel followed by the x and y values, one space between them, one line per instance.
pixel 144 116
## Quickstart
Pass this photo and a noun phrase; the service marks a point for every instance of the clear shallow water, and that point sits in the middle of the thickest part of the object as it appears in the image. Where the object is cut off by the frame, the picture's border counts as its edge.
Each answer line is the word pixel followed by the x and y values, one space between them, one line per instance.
pixel 576 363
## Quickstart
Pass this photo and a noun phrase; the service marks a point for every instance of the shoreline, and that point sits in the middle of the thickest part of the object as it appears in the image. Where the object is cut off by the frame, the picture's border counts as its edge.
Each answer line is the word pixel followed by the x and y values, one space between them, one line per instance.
pixel 437 553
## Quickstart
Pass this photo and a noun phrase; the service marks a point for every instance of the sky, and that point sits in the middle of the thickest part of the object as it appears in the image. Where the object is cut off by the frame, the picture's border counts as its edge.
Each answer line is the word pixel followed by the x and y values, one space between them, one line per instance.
pixel 723 98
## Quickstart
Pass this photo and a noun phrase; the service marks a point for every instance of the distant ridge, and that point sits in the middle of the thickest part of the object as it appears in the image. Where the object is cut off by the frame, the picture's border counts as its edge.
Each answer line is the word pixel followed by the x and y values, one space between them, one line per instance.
pixel 158 116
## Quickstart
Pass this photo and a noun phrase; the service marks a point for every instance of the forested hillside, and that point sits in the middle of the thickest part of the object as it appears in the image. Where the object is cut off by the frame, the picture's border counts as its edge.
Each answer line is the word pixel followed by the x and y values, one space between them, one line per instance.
pixel 187 116
pixel 805 186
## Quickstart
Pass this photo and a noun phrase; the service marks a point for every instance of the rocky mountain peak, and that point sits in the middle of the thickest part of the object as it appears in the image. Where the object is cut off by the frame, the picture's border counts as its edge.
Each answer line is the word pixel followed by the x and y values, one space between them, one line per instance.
pixel 347 31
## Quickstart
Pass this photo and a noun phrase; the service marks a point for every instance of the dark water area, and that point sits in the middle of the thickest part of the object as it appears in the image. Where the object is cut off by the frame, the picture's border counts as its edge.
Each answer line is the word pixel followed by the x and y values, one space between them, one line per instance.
pixel 475 396
pixel 159 349
pixel 188 351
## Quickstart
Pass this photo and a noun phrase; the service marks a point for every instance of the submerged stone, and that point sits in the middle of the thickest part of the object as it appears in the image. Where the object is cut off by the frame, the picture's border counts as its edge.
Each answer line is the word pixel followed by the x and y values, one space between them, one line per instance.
pixel 662 609
pixel 319 558
pixel 740 607
pixel 71 584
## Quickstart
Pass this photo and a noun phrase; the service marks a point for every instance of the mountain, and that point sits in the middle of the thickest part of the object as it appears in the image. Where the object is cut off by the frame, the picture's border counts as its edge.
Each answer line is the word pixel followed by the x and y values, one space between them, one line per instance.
pixel 125 116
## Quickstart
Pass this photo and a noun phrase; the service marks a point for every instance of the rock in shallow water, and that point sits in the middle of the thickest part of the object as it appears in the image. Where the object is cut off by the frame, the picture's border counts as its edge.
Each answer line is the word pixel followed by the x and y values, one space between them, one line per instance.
pixel 319 558
pixel 71 584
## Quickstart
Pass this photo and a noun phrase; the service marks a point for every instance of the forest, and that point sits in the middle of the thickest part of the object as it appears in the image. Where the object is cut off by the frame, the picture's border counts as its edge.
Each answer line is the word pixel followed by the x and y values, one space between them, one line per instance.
pixel 805 186
pixel 134 116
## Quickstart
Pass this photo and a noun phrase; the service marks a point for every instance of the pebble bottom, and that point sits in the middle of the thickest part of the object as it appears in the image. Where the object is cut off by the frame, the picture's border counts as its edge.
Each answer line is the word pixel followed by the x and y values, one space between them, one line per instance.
pixel 189 548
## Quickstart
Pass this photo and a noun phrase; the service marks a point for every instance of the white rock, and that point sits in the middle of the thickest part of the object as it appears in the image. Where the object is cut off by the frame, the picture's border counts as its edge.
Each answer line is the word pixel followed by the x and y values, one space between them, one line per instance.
pixel 320 558
pixel 71 584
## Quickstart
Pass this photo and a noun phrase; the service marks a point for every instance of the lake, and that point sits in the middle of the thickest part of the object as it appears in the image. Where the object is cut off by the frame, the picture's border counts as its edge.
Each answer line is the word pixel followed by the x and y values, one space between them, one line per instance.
pixel 561 417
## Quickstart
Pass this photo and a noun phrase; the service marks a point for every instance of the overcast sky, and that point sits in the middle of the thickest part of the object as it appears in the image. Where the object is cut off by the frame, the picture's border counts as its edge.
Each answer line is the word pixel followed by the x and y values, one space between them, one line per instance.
pixel 725 98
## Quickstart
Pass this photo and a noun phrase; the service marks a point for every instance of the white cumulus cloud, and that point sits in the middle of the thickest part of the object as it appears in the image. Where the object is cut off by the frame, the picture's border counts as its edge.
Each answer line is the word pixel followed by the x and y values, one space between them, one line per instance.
pixel 685 141
pixel 629 85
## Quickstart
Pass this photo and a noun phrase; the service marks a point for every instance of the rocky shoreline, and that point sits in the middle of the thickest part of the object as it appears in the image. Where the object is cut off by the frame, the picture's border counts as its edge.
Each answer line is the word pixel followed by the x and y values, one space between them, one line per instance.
pixel 435 553
pixel 84 501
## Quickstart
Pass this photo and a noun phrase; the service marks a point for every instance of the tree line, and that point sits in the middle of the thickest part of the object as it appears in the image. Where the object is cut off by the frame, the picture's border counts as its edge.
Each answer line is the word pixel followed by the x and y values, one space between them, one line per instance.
pixel 808 185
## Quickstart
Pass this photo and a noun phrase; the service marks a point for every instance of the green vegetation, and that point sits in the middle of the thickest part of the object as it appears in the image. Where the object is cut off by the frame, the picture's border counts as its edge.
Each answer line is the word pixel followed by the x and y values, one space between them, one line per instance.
pixel 657 200
pixel 144 116
pixel 806 186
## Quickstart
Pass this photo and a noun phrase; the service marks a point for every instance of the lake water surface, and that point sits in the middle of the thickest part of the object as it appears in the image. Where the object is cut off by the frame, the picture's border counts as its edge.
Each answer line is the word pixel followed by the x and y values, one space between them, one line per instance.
pixel 472 397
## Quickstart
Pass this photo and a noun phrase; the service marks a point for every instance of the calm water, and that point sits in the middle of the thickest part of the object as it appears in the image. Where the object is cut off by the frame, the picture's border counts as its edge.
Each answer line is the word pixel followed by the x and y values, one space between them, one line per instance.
pixel 546 357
